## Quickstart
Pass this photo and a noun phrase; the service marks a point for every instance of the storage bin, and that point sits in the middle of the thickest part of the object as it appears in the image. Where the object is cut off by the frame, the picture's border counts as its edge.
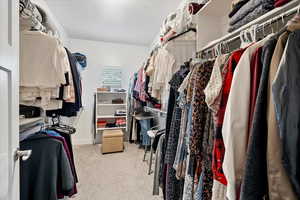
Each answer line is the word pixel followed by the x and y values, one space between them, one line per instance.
pixel 112 141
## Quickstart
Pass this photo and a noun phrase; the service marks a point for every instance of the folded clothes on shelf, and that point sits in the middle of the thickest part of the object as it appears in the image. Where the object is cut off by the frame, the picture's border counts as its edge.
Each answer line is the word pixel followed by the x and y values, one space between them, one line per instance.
pixel 119 90
pixel 259 11
pixel 117 101
pixel 249 7
pixel 236 7
pixel 111 125
pixel 121 122
pixel 30 111
pixel 120 112
pixel 101 123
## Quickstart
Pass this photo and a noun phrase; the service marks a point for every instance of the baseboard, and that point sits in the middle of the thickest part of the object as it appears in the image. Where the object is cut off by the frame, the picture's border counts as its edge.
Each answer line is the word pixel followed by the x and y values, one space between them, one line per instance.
pixel 82 141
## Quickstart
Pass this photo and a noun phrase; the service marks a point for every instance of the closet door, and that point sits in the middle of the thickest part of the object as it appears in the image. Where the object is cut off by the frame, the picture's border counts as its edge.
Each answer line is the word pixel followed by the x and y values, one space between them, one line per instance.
pixel 9 102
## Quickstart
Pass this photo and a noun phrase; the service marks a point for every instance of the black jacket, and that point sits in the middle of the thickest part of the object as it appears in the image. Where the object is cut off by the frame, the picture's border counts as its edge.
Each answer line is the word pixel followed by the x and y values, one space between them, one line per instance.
pixel 255 185
pixel 71 109
pixel 47 169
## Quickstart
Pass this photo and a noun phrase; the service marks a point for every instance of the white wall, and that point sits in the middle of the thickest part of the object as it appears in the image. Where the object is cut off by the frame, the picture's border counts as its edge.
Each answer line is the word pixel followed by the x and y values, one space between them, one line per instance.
pixel 100 54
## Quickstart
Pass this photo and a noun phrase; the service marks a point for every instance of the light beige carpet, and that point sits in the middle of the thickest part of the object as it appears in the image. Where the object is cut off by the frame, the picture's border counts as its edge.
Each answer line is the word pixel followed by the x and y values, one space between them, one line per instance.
pixel 118 176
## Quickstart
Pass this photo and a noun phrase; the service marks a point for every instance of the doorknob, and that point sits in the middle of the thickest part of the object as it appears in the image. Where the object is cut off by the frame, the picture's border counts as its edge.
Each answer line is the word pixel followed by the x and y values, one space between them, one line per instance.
pixel 22 154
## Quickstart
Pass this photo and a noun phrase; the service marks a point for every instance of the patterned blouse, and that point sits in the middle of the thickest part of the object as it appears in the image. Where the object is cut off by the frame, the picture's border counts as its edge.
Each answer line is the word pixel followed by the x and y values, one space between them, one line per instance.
pixel 200 108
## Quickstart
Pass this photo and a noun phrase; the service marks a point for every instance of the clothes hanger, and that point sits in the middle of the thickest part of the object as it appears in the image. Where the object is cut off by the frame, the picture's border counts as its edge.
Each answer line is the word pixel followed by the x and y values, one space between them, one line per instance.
pixel 56 125
pixel 216 51
pixel 248 36
pixel 263 29
pixel 253 30
pixel 277 25
pixel 242 39
pixel 282 19
pixel 219 49
pixel 227 47
pixel 272 28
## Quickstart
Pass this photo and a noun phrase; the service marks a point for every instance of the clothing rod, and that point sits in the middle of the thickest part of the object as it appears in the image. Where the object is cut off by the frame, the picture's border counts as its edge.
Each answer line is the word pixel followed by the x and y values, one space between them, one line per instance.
pixel 155 110
pixel 235 35
pixel 180 34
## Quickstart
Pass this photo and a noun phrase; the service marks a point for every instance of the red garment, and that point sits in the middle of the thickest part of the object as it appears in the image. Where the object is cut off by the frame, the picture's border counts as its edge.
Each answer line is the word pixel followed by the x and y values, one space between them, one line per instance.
pixel 195 7
pixel 256 70
pixel 279 3
pixel 219 149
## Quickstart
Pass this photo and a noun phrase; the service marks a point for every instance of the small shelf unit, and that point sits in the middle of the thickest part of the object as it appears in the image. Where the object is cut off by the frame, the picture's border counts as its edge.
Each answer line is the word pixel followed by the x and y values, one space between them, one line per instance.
pixel 107 104
pixel 106 109
pixel 112 128
pixel 110 116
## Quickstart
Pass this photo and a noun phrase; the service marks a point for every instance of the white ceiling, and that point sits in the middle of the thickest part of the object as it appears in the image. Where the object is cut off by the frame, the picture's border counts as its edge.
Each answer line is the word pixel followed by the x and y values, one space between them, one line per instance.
pixel 125 21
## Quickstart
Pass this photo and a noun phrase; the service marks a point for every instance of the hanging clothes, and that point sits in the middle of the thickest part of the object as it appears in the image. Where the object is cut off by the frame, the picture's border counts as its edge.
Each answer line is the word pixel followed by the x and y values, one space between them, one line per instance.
pixel 190 167
pixel 235 127
pixel 206 178
pixel 42 89
pixel 181 152
pixel 174 187
pixel 69 108
pixel 158 163
pixel 163 62
pixel 60 193
pixel 255 180
pixel 195 95
pixel 286 98
pixel 54 170
pixel 279 184
pixel 219 83
pixel 144 138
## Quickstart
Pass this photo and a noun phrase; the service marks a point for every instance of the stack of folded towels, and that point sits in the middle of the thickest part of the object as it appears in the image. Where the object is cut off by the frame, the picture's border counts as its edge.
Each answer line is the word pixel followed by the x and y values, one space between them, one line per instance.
pixel 244 11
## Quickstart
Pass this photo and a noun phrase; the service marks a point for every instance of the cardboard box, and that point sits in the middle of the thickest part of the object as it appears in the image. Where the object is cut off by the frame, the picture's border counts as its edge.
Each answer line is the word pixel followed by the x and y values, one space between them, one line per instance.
pixel 112 141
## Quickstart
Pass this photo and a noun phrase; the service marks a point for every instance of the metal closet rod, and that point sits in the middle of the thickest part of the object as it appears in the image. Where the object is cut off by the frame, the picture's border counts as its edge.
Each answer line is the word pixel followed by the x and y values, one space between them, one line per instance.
pixel 155 110
pixel 232 37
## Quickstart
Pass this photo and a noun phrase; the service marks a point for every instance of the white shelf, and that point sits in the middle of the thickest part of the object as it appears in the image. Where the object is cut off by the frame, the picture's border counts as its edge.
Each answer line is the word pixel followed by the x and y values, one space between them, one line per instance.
pixel 155 110
pixel 213 9
pixel 212 21
pixel 113 128
pixel 216 9
pixel 112 92
pixel 28 121
pixel 110 116
pixel 107 104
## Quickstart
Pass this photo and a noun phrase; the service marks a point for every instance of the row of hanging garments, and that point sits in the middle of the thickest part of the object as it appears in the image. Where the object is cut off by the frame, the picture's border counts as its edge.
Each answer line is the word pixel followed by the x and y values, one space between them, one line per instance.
pixel 49 73
pixel 49 172
pixel 232 124
pixel 49 77
pixel 50 87
pixel 149 86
